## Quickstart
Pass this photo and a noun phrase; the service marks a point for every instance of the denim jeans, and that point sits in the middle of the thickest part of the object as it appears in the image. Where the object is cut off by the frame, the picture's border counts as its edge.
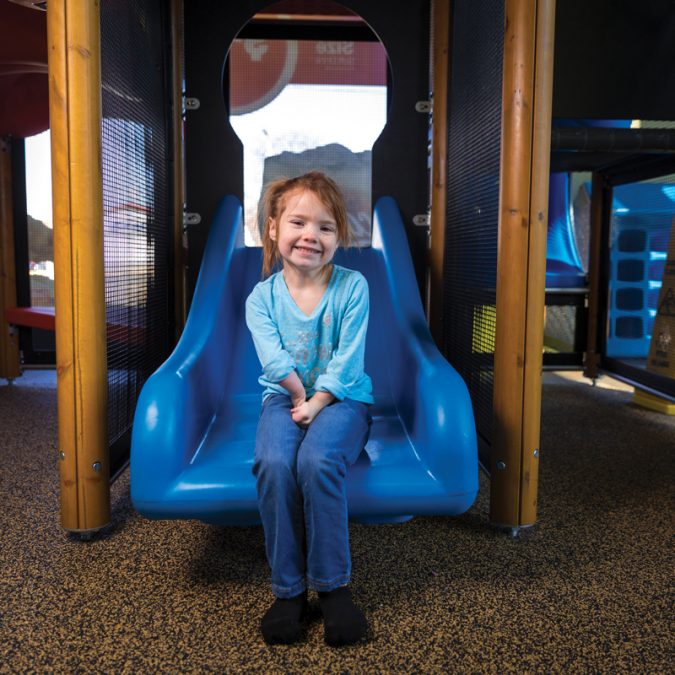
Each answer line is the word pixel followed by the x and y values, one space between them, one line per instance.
pixel 302 498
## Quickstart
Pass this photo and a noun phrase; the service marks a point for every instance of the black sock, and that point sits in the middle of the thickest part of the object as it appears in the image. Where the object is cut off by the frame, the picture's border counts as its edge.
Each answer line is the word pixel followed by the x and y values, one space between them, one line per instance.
pixel 283 621
pixel 344 622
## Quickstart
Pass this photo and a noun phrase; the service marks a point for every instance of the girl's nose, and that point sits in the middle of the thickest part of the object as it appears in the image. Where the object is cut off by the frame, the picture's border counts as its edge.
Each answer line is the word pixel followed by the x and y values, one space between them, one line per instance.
pixel 311 232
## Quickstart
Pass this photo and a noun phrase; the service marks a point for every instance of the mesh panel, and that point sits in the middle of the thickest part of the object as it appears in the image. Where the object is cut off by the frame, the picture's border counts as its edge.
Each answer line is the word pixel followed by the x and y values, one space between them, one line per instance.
pixel 474 133
pixel 560 328
pixel 136 202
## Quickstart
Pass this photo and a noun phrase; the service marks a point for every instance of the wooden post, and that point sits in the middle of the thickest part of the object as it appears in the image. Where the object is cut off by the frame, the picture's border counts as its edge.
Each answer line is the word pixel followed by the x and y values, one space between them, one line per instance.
pixel 439 150
pixel 179 240
pixel 521 268
pixel 10 364
pixel 536 274
pixel 75 114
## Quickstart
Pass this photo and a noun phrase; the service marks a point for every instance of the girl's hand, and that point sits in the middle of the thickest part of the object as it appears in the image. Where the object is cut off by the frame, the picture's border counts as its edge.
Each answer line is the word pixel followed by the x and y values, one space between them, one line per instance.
pixel 303 414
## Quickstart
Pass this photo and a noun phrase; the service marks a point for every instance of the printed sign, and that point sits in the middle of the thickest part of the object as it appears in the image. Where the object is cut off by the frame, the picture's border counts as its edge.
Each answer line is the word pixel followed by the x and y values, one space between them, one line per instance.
pixel 260 69
pixel 661 358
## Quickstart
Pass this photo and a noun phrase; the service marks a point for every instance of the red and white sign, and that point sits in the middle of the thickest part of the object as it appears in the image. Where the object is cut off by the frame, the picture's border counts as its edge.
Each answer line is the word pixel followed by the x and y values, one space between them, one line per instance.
pixel 260 69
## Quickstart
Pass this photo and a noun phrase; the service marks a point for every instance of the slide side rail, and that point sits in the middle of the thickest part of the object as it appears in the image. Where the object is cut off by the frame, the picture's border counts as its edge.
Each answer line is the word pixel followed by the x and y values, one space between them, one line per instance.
pixel 180 400
pixel 430 396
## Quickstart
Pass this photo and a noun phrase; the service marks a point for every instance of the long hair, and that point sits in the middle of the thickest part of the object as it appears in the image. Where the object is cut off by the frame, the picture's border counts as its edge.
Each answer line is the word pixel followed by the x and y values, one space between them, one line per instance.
pixel 273 203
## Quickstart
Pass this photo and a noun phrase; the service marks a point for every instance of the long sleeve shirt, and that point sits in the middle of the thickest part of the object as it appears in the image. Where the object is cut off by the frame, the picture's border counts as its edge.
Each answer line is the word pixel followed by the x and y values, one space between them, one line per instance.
pixel 326 348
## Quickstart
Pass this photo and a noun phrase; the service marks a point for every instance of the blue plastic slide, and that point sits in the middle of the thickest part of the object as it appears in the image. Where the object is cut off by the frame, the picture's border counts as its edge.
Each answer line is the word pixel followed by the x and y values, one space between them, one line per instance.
pixel 194 430
pixel 563 266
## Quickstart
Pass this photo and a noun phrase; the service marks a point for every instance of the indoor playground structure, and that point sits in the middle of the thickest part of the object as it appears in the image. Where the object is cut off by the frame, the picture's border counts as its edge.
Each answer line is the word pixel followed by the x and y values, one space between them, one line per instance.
pixel 641 214
pixel 198 463
pixel 510 216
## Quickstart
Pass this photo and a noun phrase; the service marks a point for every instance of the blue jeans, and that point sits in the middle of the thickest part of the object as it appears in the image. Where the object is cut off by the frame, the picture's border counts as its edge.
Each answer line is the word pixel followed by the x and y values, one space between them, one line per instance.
pixel 302 498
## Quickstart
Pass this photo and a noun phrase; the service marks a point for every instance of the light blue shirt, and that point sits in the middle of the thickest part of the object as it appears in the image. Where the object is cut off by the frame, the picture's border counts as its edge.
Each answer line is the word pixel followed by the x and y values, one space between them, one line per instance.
pixel 326 348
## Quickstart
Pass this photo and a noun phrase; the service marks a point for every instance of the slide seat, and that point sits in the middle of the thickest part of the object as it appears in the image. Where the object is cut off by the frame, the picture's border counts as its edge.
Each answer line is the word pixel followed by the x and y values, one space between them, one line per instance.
pixel 194 430
pixel 564 275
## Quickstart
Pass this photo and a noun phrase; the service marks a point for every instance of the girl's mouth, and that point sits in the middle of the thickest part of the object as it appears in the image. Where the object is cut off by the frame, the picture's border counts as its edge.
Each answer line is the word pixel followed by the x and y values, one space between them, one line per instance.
pixel 304 249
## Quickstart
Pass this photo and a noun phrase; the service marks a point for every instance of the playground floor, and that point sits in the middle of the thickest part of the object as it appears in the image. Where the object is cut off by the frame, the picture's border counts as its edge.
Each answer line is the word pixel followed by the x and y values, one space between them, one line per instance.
pixel 589 588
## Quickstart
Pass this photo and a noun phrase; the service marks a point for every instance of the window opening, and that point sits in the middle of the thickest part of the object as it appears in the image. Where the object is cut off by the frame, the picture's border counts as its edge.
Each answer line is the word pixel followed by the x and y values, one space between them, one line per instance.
pixel 299 105
pixel 40 225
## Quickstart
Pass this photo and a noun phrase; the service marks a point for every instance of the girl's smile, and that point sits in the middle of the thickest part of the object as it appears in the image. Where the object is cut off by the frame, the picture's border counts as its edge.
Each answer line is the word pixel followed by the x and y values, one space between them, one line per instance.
pixel 304 249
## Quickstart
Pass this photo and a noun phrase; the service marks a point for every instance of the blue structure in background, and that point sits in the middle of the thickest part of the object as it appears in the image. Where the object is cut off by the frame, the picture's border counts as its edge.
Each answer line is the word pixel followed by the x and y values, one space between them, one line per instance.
pixel 641 218
pixel 564 269
pixel 563 266
pixel 194 429
pixel 642 215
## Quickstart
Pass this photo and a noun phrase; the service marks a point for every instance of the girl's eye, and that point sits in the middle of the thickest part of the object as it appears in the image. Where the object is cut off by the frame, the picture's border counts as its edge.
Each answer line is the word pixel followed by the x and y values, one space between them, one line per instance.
pixel 298 223
pixel 327 228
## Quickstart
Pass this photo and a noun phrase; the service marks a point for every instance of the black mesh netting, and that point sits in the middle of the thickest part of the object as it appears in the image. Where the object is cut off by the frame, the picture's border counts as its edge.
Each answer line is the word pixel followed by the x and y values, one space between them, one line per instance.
pixel 474 133
pixel 136 204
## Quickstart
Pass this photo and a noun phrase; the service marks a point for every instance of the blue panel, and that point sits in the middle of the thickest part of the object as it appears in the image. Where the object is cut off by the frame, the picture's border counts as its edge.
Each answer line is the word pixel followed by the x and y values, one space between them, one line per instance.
pixel 642 213
pixel 194 430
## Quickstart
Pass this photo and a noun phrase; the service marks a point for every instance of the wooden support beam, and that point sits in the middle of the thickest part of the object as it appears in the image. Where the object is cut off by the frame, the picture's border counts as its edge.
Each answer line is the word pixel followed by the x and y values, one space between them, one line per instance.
pixel 523 216
pixel 536 273
pixel 439 157
pixel 75 115
pixel 10 365
pixel 601 199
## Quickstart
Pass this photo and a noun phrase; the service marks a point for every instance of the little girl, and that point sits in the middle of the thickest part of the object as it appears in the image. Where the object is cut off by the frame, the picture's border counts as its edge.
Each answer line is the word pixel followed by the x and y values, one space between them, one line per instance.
pixel 308 323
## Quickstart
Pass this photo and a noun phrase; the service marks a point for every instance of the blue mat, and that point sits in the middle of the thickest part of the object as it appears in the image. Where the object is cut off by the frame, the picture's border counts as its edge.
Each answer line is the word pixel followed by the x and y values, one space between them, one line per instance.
pixel 194 429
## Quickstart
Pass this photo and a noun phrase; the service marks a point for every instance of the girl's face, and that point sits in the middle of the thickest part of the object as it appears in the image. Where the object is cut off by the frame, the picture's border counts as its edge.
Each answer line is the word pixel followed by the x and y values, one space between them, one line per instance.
pixel 305 232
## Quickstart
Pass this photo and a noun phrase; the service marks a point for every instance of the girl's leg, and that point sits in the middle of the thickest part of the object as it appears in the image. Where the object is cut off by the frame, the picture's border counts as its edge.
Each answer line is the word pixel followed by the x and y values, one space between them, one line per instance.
pixel 332 443
pixel 279 499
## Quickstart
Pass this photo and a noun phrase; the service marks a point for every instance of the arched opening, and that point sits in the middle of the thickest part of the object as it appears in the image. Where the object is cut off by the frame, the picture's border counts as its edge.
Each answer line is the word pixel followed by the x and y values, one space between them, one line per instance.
pixel 299 103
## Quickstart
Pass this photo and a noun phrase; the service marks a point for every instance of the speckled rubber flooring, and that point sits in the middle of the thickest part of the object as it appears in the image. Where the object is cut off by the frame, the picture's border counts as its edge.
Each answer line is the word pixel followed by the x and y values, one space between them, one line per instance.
pixel 589 589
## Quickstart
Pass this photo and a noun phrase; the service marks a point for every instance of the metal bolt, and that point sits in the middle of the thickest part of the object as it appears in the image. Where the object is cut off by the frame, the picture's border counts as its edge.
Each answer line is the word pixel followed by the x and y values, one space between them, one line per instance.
pixel 536 452
pixel 501 465
pixel 191 219
pixel 96 466
pixel 62 455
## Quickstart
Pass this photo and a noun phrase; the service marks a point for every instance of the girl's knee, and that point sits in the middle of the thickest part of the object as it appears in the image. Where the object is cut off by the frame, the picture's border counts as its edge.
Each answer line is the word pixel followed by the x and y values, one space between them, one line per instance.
pixel 273 462
pixel 318 461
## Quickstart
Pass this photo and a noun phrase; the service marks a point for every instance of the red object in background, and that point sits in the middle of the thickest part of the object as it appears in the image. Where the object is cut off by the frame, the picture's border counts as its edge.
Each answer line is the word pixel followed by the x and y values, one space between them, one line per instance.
pixel 267 66
pixel 24 85
pixel 31 317
pixel 260 69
